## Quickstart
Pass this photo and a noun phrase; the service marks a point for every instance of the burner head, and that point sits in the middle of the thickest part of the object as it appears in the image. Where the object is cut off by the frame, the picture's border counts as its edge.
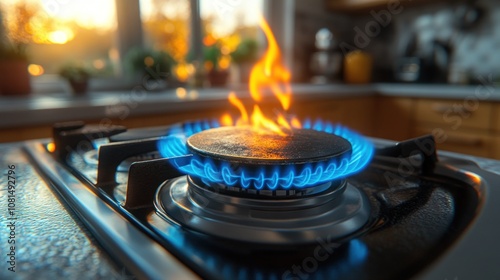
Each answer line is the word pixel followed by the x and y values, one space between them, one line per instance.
pixel 245 145
pixel 267 159
pixel 240 157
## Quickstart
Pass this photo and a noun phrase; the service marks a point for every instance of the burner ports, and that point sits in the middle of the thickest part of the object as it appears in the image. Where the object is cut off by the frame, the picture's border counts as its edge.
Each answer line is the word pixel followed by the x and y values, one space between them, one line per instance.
pixel 240 157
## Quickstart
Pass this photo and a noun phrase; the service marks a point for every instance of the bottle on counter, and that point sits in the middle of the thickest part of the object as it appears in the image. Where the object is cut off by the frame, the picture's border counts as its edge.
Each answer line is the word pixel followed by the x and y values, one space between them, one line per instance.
pixel 358 67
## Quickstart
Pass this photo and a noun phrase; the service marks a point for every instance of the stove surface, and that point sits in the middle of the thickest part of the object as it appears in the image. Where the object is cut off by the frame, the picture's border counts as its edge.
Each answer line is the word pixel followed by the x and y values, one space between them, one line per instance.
pixel 415 227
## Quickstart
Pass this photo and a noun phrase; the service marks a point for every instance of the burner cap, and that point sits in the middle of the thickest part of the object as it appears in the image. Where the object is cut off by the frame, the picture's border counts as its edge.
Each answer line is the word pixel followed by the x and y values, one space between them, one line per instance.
pixel 245 145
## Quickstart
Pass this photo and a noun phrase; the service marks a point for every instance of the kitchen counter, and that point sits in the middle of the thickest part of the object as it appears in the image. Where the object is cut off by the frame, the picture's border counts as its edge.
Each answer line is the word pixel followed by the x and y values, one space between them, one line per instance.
pixel 53 241
pixel 47 109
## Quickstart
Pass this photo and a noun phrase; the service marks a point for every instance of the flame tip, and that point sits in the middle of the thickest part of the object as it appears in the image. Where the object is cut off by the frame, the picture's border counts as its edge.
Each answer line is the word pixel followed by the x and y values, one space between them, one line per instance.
pixel 267 74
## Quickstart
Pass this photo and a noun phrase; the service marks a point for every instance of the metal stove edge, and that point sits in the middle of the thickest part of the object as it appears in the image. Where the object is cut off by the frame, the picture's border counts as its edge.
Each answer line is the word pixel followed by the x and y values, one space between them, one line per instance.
pixel 475 252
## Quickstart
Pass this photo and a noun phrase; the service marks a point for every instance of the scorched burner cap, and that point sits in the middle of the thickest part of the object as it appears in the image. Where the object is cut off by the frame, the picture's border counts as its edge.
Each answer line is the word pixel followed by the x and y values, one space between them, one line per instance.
pixel 245 145
pixel 265 188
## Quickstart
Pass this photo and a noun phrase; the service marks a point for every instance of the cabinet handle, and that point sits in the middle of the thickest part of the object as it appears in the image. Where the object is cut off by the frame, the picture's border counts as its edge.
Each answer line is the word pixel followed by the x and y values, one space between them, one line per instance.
pixel 444 108
pixel 465 141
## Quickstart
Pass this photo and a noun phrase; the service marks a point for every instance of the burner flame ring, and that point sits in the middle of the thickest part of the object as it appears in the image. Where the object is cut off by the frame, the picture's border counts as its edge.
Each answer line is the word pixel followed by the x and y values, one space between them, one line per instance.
pixel 311 174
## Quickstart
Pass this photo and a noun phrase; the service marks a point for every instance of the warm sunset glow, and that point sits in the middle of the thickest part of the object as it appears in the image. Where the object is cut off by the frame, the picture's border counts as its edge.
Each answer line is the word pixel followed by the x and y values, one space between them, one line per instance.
pixel 99 64
pixel 91 14
pixel 56 22
pixel 183 71
pixel 181 93
pixel 209 40
pixel 35 70
pixel 193 94
pixel 268 74
pixel 224 62
pixel 60 37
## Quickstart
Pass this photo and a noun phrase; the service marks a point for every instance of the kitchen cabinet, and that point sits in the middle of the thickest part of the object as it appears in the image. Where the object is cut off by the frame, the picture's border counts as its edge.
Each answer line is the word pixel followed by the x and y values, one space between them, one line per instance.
pixel 496 118
pixel 45 131
pixel 23 133
pixel 467 141
pixel 460 125
pixel 393 118
pixel 454 114
pixel 354 112
pixel 463 126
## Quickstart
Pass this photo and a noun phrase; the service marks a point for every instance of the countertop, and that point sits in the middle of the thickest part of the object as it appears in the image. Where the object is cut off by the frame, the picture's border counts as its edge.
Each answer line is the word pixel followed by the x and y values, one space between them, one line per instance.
pixel 53 242
pixel 50 108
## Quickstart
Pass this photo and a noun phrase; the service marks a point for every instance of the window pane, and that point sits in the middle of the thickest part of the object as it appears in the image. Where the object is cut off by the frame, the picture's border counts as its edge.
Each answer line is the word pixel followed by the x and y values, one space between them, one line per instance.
pixel 58 32
pixel 228 17
pixel 225 25
pixel 231 27
pixel 166 26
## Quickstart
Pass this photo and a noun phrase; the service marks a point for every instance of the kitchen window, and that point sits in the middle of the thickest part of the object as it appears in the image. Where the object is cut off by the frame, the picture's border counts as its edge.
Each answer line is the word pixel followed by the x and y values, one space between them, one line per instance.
pixel 99 34
pixel 58 32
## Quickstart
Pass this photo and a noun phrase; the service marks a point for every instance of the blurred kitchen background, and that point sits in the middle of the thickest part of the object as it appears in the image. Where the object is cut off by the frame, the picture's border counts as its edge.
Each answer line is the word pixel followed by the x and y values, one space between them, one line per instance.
pixel 388 68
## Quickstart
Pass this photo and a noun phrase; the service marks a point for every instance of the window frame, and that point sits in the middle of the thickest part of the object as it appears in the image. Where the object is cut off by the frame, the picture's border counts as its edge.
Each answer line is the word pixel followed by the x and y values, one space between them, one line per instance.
pixel 129 34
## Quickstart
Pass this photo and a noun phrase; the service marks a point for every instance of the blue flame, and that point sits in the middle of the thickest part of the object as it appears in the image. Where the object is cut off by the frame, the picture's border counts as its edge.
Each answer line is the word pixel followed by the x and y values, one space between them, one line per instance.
pixel 276 177
pixel 357 252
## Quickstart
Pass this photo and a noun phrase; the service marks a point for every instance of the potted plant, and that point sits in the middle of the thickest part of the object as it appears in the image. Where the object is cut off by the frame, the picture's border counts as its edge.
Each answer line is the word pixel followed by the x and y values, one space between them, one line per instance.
pixel 245 56
pixel 216 75
pixel 77 76
pixel 14 78
pixel 153 67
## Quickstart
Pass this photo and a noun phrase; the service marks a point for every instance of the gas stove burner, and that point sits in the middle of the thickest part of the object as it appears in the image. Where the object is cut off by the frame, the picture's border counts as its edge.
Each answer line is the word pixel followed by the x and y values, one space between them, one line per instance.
pixel 339 210
pixel 245 145
pixel 266 155
pixel 264 188
pixel 239 157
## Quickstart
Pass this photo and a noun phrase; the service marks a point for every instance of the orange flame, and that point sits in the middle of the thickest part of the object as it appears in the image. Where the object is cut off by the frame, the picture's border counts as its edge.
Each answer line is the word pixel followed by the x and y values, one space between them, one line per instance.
pixel 268 74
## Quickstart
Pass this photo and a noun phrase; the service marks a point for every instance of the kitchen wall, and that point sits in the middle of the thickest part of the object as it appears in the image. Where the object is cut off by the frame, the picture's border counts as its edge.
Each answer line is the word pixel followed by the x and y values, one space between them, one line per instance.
pixel 311 16
pixel 475 51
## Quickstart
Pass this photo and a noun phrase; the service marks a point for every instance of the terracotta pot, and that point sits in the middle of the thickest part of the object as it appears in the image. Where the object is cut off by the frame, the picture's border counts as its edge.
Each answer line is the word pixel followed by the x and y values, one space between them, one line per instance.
pixel 14 77
pixel 79 87
pixel 218 78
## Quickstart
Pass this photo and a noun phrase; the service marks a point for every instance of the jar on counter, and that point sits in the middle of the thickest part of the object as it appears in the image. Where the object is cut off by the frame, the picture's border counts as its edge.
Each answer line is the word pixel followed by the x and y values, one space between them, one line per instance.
pixel 358 67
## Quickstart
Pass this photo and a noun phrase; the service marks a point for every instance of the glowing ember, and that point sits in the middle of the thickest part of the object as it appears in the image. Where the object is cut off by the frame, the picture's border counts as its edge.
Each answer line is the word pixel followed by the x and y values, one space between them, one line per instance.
pixel 267 75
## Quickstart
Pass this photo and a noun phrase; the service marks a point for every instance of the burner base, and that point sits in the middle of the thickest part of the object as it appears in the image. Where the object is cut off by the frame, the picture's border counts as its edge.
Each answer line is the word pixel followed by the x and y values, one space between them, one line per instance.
pixel 339 211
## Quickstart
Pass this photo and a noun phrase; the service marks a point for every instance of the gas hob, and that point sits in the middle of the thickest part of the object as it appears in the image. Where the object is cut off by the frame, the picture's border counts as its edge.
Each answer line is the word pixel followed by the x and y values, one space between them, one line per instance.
pixel 170 203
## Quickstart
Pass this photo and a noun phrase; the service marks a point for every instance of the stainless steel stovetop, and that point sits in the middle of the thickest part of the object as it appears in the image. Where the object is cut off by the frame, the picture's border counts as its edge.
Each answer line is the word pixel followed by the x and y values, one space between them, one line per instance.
pixel 429 220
